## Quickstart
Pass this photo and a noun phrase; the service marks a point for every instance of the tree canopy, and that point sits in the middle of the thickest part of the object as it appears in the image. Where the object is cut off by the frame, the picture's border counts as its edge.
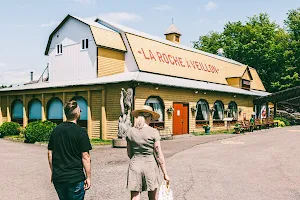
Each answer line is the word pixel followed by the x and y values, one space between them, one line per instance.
pixel 260 43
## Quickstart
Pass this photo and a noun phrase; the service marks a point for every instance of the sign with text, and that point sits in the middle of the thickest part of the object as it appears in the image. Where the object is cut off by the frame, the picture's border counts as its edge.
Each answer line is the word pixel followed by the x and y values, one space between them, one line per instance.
pixel 156 57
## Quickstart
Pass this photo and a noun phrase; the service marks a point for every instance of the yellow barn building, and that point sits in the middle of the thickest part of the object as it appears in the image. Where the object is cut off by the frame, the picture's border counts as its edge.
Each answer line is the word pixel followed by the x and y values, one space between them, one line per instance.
pixel 91 61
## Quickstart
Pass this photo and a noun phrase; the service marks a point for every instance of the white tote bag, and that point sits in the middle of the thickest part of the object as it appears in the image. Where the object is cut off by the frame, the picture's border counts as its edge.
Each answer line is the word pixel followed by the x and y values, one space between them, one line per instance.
pixel 165 192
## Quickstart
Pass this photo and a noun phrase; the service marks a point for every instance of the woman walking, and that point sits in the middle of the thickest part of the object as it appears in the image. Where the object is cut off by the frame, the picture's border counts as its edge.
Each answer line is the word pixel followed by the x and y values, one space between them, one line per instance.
pixel 144 151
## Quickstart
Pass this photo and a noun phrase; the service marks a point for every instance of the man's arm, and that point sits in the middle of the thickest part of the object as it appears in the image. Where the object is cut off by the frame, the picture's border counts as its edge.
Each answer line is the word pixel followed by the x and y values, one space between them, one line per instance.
pixel 50 161
pixel 86 161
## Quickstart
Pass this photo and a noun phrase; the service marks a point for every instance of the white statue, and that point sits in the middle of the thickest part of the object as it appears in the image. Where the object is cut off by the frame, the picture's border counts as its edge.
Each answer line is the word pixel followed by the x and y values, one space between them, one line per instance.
pixel 126 105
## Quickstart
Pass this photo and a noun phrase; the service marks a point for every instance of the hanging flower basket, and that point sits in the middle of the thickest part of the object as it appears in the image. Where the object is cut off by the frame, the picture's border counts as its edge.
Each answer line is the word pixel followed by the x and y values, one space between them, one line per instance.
pixel 240 110
pixel 212 109
pixel 193 109
pixel 170 110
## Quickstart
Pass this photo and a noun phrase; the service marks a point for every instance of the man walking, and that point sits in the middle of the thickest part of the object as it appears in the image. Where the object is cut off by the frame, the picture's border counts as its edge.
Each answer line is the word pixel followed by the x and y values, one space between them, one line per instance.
pixel 68 154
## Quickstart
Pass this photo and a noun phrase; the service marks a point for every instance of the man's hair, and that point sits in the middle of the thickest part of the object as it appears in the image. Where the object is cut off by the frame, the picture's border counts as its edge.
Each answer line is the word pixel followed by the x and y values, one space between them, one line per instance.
pixel 69 109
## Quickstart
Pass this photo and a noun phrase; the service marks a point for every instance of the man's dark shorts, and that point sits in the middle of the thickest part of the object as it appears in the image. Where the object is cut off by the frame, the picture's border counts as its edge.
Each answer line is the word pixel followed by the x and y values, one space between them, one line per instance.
pixel 70 191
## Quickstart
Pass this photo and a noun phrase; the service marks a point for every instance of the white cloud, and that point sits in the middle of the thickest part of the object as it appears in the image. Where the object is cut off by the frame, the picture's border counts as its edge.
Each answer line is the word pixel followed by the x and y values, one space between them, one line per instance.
pixel 51 23
pixel 119 17
pixel 163 7
pixel 16 77
pixel 2 65
pixel 85 2
pixel 210 6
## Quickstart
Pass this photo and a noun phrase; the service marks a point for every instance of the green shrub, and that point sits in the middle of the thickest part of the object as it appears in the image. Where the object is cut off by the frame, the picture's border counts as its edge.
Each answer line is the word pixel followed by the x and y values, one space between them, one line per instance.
pixel 280 123
pixel 286 122
pixel 38 131
pixel 9 128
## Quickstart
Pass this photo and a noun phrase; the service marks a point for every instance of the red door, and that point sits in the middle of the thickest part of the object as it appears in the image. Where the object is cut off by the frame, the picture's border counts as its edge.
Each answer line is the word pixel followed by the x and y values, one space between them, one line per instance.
pixel 185 119
pixel 180 119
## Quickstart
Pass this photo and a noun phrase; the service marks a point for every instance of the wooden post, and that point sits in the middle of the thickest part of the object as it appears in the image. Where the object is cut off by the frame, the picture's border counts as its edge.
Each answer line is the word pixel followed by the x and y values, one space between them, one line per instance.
pixel 1 120
pixel 25 119
pixel 43 108
pixel 8 110
pixel 103 115
pixel 275 110
pixel 64 102
pixel 89 122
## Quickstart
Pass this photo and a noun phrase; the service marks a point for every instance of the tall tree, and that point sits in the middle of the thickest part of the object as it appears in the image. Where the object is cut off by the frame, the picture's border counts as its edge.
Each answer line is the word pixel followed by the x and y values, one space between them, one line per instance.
pixel 259 43
pixel 291 76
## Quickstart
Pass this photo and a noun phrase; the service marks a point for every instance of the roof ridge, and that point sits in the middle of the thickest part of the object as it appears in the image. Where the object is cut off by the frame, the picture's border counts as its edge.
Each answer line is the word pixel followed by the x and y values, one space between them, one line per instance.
pixel 125 29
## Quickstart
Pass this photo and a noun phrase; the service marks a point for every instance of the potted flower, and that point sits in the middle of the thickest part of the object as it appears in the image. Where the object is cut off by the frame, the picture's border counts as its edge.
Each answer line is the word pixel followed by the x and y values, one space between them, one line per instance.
pixel 170 110
pixel 193 109
pixel 240 110
pixel 206 128
pixel 212 109
pixel 238 129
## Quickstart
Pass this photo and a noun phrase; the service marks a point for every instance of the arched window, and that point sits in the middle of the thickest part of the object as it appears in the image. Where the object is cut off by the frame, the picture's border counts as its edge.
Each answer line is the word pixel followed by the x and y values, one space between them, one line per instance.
pixel 17 111
pixel 233 110
pixel 34 110
pixel 55 110
pixel 82 103
pixel 218 110
pixel 158 106
pixel 218 114
pixel 202 114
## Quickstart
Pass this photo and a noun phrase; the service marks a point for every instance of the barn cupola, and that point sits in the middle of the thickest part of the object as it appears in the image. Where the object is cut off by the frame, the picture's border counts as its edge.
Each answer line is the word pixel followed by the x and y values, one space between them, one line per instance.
pixel 172 34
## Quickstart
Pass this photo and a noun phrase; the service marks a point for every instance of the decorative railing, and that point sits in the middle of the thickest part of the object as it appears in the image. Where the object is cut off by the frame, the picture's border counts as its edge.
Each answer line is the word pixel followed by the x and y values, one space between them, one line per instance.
pixel 218 123
pixel 200 123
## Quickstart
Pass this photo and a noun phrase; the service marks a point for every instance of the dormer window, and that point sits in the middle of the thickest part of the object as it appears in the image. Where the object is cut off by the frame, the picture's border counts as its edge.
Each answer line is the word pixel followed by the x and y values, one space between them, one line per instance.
pixel 246 84
pixel 84 44
pixel 58 49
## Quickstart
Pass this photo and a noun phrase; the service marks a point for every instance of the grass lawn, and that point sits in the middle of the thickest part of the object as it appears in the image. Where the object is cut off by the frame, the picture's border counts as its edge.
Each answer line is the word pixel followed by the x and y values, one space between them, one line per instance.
pixel 98 142
pixel 230 131
pixel 21 138
pixel 15 138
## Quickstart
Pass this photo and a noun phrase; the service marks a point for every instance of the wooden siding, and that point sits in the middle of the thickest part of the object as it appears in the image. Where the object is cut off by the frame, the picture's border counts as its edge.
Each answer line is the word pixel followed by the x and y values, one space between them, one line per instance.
pixel 108 38
pixel 96 101
pixel 110 62
pixel 111 99
pixel 256 83
pixel 170 95
pixel 113 109
pixel 235 82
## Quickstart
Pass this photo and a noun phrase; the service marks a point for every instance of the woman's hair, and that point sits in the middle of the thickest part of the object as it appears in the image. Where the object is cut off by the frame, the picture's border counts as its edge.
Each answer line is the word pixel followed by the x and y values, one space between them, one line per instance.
pixel 139 122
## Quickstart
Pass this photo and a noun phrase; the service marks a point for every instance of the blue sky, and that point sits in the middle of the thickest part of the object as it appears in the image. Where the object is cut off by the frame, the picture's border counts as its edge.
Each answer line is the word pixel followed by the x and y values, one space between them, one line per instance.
pixel 26 25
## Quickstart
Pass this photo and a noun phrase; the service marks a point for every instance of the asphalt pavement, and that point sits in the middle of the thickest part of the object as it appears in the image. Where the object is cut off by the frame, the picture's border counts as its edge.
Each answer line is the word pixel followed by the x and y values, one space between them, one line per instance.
pixel 260 165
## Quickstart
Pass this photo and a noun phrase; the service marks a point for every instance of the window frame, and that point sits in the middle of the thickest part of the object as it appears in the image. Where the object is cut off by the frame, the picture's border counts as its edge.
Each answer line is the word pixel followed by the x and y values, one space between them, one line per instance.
pixel 84 42
pixel 246 86
pixel 160 125
pixel 58 49
pixel 200 123
pixel 237 112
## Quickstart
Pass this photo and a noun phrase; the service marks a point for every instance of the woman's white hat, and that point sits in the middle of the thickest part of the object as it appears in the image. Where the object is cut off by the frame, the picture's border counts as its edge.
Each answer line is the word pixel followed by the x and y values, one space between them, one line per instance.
pixel 145 109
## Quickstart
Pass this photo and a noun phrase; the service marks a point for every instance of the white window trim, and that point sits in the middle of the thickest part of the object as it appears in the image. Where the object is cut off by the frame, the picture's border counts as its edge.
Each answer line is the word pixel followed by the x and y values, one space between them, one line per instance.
pixel 85 49
pixel 56 53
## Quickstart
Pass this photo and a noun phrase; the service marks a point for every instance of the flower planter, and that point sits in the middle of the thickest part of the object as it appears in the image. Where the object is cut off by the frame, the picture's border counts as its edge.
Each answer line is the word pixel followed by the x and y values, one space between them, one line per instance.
pixel 207 130
pixel 237 130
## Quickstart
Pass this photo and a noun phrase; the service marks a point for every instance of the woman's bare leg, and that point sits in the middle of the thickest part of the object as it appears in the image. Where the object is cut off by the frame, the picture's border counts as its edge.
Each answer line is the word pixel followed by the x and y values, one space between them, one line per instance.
pixel 135 195
pixel 152 195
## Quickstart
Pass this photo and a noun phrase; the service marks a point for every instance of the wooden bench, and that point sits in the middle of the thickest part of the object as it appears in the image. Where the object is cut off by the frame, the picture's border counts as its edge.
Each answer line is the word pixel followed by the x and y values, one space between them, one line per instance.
pixel 245 125
pixel 248 126
pixel 271 122
pixel 257 124
pixel 266 123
